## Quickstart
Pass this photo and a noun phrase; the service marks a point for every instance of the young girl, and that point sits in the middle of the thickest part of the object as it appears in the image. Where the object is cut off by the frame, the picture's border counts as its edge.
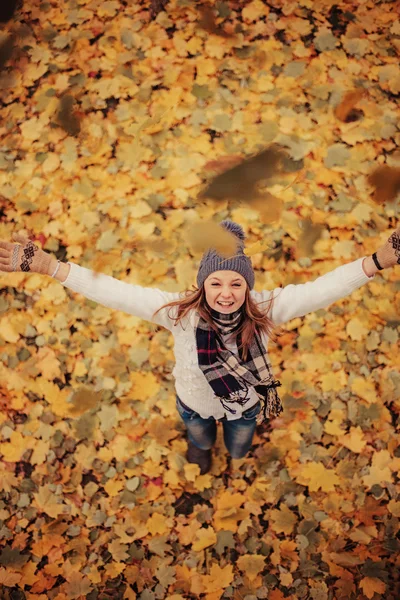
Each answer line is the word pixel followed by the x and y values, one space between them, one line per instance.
pixel 221 330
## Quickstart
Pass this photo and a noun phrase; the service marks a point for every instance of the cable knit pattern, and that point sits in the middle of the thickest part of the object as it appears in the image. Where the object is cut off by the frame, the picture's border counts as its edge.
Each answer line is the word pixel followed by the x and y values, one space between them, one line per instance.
pixel 290 302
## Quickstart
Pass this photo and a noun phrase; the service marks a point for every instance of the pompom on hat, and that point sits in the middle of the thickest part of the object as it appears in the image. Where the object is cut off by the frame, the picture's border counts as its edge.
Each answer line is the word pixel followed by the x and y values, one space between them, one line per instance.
pixel 240 263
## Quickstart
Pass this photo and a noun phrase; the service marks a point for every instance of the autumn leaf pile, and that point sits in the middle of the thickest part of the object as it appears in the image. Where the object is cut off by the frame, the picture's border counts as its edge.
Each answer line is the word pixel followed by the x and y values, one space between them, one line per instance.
pixel 116 121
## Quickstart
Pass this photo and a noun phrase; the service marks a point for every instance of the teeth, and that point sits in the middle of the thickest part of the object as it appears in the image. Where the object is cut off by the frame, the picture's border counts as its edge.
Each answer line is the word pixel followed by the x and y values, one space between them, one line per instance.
pixel 225 303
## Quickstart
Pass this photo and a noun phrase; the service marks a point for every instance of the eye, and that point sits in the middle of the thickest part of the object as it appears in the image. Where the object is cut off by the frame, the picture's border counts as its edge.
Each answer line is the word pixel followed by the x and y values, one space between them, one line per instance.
pixel 237 284
pixel 215 284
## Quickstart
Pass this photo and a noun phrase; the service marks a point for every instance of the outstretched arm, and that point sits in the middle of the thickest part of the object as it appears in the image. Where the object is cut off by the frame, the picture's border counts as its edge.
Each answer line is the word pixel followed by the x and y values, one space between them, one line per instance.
pixel 298 300
pixel 104 289
pixel 120 295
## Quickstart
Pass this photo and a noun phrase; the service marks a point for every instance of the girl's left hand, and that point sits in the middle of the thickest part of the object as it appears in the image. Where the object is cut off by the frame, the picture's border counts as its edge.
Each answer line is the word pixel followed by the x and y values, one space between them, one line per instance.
pixel 388 255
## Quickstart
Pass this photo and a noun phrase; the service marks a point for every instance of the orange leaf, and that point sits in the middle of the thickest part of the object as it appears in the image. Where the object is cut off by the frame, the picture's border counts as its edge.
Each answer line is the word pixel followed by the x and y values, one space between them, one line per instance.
pixel 9 579
pixel 345 111
pixel 372 585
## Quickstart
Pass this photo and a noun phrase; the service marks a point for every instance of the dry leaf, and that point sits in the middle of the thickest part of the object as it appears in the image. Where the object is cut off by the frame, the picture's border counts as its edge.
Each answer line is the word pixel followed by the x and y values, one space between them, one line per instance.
pixel 66 117
pixel 84 400
pixel 204 235
pixel 346 111
pixel 311 233
pixel 208 23
pixel 223 163
pixel 6 50
pixel 269 206
pixel 239 182
pixel 156 7
pixel 386 181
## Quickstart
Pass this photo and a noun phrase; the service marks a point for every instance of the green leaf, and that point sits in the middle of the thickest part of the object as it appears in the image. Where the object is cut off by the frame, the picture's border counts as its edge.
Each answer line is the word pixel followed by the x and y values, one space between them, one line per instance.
pixel 325 41
pixel 222 122
pixel 337 156
pixel 295 68
pixel 201 91
pixel 12 557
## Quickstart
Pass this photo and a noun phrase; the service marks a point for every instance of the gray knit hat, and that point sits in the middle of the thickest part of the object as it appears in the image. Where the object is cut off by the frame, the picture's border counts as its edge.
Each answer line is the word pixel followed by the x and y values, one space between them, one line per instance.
pixel 211 261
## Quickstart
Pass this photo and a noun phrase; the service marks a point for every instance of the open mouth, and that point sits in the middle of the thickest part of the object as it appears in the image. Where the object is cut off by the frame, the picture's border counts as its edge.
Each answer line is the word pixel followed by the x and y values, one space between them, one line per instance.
pixel 226 304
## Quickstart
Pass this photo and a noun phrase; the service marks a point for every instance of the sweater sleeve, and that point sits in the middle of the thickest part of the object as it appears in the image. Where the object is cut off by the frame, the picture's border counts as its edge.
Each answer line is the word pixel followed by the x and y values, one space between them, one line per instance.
pixel 297 300
pixel 113 293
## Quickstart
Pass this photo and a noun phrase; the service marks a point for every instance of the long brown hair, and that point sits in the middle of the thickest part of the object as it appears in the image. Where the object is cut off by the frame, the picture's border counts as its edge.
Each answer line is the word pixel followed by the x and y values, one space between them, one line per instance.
pixel 254 320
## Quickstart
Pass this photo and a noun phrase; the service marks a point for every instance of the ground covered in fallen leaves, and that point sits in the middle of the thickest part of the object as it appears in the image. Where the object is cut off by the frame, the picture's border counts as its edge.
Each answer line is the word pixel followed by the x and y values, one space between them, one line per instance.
pixel 124 125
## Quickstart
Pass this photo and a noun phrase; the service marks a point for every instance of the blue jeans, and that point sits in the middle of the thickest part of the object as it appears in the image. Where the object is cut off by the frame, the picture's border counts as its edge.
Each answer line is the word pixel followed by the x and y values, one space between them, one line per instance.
pixel 238 434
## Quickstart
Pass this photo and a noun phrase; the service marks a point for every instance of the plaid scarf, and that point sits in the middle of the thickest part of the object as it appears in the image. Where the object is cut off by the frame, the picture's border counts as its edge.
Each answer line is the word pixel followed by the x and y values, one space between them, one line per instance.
pixel 228 374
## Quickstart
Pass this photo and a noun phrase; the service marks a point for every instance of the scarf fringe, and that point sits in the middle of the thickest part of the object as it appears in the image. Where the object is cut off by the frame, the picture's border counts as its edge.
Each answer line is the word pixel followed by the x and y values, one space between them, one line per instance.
pixel 272 404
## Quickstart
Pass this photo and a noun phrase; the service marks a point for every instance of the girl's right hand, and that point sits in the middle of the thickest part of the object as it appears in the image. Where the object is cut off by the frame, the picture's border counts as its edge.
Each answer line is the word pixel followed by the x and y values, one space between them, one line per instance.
pixel 23 256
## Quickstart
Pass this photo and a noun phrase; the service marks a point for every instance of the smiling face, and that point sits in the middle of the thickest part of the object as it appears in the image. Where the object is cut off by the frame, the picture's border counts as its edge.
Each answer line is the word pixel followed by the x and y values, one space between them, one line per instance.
pixel 225 291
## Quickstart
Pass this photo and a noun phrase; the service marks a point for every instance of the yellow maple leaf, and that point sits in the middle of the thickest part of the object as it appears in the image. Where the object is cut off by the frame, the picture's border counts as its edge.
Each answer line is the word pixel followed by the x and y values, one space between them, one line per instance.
pixel 191 470
pixel 158 524
pixel 145 385
pixel 118 550
pixel 333 381
pixel 47 363
pixel 53 395
pixel 205 537
pixel 333 427
pixel 354 440
pixel 283 520
pixel 254 11
pixel 377 475
pixel 40 450
pixel 251 565
pixel 112 570
pixel 46 501
pixel 8 331
pixel 219 578
pixel 13 450
pixel 316 476
pixel 7 480
pixel 365 389
pixel 113 487
pixel 229 500
pixel 229 519
pixel 187 532
pixel 256 248
pixel 356 330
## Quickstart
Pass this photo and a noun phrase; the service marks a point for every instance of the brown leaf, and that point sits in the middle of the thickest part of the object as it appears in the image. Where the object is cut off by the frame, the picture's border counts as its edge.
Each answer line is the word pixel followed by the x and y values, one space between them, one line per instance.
pixel 209 24
pixel 157 6
pixel 84 399
pixel 6 50
pixel 66 116
pixel 311 234
pixel 270 207
pixel 386 181
pixel 223 163
pixel 239 182
pixel 346 111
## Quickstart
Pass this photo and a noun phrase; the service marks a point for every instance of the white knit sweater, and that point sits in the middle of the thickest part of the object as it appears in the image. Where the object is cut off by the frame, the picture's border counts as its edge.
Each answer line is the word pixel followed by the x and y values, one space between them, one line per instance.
pixel 191 386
